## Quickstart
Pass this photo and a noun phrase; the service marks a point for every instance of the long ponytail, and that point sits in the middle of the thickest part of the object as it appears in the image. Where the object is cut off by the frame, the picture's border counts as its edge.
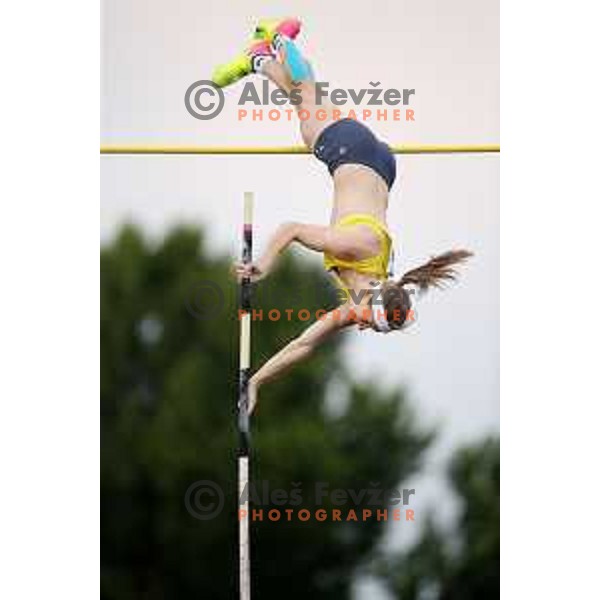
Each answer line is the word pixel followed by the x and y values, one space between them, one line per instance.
pixel 439 270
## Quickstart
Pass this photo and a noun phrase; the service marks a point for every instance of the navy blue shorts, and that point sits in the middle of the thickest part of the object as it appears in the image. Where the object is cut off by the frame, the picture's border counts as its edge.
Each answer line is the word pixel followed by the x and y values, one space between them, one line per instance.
pixel 349 142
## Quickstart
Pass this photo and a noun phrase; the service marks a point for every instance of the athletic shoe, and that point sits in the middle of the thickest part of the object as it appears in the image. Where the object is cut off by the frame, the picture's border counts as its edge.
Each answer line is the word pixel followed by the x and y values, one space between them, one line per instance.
pixel 266 29
pixel 249 62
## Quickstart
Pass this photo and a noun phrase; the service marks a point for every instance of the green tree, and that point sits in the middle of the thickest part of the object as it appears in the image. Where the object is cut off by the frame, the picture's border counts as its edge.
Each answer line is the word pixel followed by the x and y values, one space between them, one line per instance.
pixel 463 563
pixel 168 389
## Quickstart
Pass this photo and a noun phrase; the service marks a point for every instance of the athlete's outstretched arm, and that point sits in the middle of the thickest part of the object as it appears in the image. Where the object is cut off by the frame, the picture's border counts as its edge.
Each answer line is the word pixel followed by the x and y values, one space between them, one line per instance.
pixel 301 348
pixel 346 244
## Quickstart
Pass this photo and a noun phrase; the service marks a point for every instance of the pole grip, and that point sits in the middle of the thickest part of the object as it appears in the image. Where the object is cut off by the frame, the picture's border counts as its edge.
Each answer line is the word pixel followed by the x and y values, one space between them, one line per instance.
pixel 243 420
pixel 245 329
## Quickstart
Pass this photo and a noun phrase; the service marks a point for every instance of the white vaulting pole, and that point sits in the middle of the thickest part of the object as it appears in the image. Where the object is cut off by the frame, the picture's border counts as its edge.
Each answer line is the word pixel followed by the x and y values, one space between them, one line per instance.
pixel 243 420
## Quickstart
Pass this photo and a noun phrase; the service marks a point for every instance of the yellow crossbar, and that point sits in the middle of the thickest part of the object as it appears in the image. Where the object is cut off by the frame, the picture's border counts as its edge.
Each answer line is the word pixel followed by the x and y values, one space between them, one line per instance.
pixel 396 149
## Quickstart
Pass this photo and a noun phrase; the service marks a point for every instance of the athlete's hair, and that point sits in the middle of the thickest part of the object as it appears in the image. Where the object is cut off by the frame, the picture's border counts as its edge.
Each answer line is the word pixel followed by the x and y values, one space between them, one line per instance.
pixel 435 273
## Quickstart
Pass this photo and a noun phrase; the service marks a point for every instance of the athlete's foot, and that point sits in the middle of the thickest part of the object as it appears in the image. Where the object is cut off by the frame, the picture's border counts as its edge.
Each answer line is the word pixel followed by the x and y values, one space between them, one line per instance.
pixel 250 61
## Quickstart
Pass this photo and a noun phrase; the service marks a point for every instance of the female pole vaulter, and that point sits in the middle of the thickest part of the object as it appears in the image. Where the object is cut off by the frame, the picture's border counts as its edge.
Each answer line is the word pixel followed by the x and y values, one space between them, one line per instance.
pixel 356 245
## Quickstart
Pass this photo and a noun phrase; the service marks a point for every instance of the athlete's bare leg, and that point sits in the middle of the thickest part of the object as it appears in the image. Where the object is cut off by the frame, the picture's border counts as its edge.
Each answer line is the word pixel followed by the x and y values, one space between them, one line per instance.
pixel 315 117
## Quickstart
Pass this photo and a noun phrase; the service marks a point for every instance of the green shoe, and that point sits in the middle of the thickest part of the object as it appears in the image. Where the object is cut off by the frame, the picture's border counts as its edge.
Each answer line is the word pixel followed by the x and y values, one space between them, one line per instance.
pixel 245 64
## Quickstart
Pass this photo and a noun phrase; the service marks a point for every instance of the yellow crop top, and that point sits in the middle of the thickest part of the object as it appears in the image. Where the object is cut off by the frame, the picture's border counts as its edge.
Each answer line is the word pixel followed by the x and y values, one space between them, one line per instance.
pixel 377 264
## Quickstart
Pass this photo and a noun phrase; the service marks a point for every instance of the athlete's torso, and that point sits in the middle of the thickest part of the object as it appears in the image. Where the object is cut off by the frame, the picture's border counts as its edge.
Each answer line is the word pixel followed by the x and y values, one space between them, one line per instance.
pixel 358 190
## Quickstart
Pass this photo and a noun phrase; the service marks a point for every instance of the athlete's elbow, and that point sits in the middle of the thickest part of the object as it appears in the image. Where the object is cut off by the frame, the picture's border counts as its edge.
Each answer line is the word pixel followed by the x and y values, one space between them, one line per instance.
pixel 290 229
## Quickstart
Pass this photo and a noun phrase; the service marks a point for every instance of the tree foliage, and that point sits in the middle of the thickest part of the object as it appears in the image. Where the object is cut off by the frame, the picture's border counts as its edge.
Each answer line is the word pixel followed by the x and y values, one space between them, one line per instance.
pixel 168 390
pixel 463 563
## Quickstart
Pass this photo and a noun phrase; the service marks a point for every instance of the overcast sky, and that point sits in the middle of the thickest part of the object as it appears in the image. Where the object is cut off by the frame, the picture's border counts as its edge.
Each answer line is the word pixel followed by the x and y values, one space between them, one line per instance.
pixel 449 53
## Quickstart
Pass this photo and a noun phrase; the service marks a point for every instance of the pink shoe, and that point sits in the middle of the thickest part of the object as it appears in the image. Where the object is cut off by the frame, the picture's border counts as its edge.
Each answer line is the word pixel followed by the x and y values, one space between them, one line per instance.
pixel 268 28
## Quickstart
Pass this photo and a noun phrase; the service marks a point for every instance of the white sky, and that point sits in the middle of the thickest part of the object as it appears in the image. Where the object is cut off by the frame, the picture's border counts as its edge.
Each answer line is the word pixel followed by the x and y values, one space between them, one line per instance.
pixel 449 52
